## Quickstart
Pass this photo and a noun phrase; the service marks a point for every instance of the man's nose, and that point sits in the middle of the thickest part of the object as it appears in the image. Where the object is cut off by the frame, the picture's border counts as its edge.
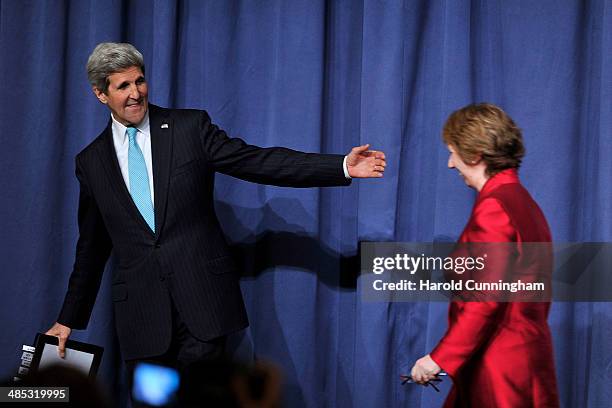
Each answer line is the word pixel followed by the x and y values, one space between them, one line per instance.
pixel 451 165
pixel 134 92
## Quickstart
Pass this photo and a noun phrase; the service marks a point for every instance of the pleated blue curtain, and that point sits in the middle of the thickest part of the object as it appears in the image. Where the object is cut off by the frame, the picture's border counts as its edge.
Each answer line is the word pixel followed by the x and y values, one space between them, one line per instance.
pixel 317 76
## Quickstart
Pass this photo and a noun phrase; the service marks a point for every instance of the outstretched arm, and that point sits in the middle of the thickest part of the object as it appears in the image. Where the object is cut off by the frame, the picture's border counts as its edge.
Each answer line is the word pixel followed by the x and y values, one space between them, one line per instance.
pixel 281 166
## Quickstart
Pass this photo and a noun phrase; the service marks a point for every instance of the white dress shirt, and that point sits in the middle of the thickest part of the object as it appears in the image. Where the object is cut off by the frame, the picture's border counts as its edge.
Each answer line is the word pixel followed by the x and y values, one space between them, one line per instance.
pixel 122 144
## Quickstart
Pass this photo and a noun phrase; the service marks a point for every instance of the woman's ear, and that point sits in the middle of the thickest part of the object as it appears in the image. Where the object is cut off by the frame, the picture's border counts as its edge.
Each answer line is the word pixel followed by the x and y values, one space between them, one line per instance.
pixel 476 160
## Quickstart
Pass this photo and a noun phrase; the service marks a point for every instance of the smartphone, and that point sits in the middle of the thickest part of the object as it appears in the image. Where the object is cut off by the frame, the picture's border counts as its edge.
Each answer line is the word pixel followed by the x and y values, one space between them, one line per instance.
pixel 155 385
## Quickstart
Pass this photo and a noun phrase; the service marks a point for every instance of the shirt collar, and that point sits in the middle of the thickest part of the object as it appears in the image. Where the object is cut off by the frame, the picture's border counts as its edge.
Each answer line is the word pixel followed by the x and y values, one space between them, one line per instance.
pixel 120 129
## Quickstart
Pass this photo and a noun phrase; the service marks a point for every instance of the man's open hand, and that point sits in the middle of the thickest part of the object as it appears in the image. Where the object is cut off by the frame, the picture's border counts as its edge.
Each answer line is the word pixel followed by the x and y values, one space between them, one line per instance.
pixel 362 163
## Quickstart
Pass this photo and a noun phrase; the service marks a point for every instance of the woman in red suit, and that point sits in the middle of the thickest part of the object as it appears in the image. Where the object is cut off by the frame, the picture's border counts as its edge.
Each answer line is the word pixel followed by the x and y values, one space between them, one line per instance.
pixel 499 354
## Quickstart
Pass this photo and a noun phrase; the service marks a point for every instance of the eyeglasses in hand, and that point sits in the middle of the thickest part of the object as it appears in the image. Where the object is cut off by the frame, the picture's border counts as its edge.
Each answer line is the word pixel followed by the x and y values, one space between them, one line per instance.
pixel 406 379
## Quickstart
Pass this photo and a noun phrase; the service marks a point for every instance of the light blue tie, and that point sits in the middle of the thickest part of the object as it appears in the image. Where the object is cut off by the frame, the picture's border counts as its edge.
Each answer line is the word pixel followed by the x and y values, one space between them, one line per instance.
pixel 139 180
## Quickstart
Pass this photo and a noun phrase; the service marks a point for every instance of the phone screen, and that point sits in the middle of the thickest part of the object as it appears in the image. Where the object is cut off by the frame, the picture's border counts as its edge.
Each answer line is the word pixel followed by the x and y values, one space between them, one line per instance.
pixel 155 385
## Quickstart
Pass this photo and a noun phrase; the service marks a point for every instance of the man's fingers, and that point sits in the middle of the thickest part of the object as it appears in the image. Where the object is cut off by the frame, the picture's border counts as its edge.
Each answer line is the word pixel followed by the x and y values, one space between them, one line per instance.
pixel 377 154
pixel 62 333
pixel 369 166
pixel 380 162
pixel 360 149
pixel 62 347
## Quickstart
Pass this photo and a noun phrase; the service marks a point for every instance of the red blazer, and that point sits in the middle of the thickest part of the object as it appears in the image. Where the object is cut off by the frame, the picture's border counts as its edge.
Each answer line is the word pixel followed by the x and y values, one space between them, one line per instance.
pixel 499 354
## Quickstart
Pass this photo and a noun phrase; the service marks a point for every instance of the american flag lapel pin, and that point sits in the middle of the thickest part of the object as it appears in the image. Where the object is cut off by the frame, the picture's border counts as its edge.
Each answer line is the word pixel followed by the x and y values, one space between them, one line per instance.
pixel 164 126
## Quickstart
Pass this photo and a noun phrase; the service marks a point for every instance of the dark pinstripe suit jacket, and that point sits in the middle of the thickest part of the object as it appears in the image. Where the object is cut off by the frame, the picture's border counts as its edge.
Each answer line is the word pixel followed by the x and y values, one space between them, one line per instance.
pixel 187 257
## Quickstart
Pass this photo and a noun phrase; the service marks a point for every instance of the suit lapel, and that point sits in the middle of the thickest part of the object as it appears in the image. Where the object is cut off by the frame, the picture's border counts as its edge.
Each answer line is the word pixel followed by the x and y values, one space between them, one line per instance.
pixel 161 155
pixel 108 157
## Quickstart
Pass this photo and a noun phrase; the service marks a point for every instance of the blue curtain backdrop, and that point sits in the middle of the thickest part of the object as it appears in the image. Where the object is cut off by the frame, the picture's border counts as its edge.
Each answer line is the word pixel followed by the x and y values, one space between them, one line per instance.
pixel 317 76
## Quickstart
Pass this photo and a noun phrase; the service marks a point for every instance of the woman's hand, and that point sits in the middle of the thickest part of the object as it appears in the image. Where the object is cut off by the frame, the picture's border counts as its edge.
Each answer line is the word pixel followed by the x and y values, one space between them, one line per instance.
pixel 425 369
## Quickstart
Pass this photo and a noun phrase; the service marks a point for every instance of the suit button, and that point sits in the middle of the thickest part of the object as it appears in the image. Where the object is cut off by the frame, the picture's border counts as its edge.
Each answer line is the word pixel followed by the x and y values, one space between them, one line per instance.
pixel 162 278
pixel 157 246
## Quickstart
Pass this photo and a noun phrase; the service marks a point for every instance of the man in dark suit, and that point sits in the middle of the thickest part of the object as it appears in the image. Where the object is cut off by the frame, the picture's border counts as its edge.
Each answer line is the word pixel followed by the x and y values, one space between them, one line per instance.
pixel 146 194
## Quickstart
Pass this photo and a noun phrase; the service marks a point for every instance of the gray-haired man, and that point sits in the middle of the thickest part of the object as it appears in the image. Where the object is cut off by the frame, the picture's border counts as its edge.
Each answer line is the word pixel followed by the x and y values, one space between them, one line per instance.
pixel 146 194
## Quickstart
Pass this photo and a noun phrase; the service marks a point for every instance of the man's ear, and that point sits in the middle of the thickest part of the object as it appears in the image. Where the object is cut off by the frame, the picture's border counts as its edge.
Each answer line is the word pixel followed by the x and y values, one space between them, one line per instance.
pixel 99 94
